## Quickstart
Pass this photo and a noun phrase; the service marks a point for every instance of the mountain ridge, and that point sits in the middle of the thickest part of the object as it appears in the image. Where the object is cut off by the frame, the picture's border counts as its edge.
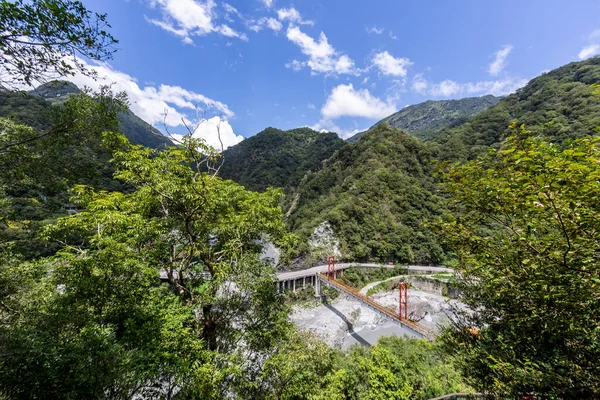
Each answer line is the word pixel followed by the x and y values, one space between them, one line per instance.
pixel 425 119
pixel 379 192
pixel 135 129
pixel 278 158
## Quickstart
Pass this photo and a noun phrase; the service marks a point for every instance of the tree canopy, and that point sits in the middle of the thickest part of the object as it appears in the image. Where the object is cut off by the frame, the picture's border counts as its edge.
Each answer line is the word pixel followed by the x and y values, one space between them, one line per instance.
pixel 525 226
pixel 42 39
pixel 376 194
pixel 276 158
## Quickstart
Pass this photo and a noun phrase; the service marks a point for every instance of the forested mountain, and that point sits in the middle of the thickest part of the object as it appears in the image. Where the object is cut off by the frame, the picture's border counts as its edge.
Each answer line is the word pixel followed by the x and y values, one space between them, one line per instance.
pixel 132 272
pixel 424 120
pixel 379 191
pixel 376 194
pixel 276 158
pixel 32 109
pixel 559 104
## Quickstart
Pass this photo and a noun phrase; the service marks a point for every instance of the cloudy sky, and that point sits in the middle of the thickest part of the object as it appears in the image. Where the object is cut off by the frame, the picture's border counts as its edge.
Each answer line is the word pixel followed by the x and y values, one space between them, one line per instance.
pixel 339 65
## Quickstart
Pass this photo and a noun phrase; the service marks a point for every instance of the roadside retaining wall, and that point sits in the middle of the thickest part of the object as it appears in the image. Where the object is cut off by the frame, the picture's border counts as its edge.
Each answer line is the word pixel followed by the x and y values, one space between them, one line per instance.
pixel 439 288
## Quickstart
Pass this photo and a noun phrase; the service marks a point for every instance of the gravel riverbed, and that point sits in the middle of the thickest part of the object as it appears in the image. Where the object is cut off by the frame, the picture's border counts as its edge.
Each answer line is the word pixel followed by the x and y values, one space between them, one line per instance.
pixel 344 322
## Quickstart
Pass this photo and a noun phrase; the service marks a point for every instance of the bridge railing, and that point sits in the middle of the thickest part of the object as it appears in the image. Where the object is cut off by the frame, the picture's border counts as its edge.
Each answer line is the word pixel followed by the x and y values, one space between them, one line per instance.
pixel 430 335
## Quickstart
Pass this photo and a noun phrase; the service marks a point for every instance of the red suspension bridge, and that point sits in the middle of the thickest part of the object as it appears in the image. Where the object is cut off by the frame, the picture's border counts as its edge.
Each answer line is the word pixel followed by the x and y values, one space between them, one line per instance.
pixel 400 316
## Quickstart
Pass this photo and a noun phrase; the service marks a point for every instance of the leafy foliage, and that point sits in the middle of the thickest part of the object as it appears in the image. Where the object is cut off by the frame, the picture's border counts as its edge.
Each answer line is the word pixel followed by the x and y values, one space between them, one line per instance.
pixel 396 368
pixel 360 277
pixel 425 120
pixel 525 225
pixel 101 320
pixel 41 39
pixel 135 129
pixel 275 158
pixel 37 169
pixel 376 193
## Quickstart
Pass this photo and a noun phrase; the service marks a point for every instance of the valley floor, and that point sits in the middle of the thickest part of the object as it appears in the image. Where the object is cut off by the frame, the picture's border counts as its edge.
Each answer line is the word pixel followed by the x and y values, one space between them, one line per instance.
pixel 344 321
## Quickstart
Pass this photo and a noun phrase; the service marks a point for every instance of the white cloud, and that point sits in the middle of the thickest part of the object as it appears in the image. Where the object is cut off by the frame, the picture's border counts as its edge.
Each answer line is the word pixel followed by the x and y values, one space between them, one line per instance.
pixel 322 57
pixel 211 130
pixel 419 84
pixel 188 18
pixel 231 10
pixel 389 65
pixel 594 35
pixel 446 88
pixel 292 15
pixel 344 100
pixel 311 106
pixel 265 22
pixel 329 126
pixel 589 51
pixel 499 60
pixel 227 31
pixel 450 88
pixel 268 3
pixel 374 29
pixel 151 102
pixel 392 36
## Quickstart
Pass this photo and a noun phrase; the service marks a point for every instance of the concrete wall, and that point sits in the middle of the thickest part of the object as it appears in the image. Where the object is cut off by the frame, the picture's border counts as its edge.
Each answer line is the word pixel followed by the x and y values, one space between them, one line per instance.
pixel 439 288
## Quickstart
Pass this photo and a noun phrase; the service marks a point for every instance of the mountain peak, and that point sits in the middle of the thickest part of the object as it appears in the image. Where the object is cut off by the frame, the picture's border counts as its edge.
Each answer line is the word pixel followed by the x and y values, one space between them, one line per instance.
pixel 53 89
pixel 424 120
pixel 277 158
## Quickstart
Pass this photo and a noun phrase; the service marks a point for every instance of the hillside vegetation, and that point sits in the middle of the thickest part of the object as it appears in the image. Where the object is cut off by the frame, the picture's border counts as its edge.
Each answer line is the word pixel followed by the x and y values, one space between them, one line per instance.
pixel 380 192
pixel 558 105
pixel 376 194
pixel 34 109
pixel 153 285
pixel 276 158
pixel 425 120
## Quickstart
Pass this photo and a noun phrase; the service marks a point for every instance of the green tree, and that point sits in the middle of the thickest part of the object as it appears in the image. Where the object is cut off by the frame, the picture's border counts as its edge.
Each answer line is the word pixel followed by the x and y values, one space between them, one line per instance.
pixel 96 314
pixel 37 169
pixel 41 39
pixel 526 228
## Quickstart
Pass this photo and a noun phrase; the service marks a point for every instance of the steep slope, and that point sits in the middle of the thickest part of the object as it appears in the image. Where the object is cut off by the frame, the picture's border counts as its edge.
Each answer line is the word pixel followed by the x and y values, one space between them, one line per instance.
pixel 424 120
pixel 276 158
pixel 376 194
pixel 28 110
pixel 559 104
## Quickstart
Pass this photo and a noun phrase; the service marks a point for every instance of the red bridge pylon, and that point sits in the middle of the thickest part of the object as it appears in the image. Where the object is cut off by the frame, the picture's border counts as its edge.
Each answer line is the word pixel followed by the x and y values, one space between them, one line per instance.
pixel 403 286
pixel 331 267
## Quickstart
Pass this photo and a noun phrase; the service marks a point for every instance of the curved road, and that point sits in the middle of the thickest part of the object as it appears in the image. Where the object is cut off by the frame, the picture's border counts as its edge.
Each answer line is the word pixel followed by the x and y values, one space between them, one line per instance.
pixel 288 276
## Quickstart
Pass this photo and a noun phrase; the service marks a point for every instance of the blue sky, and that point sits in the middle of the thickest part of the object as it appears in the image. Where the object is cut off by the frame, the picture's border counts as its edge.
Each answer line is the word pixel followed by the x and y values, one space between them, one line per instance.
pixel 339 65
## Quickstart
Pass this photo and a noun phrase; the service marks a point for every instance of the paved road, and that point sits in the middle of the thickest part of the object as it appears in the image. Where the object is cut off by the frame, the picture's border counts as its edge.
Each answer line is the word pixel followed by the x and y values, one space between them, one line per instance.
pixel 286 276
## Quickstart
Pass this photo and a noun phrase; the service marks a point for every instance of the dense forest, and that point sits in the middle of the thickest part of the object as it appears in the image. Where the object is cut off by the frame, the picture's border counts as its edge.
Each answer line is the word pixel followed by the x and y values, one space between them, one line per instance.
pixel 380 192
pixel 276 158
pixel 130 271
pixel 377 194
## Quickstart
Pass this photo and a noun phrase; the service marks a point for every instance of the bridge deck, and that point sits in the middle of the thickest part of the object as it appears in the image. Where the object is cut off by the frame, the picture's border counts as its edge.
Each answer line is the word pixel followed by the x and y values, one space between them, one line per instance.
pixel 299 274
pixel 389 312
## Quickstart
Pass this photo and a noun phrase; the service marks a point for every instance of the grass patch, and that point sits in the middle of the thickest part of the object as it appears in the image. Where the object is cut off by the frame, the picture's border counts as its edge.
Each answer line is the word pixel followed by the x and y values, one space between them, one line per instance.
pixel 384 286
pixel 359 277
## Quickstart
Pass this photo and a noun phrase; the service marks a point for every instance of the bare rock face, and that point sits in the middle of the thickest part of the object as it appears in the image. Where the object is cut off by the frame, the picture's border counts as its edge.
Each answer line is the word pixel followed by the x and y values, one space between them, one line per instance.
pixel 323 241
pixel 270 252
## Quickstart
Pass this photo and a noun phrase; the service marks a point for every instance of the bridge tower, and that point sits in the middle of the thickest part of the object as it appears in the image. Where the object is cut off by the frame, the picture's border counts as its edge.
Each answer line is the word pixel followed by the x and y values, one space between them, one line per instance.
pixel 331 267
pixel 403 303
